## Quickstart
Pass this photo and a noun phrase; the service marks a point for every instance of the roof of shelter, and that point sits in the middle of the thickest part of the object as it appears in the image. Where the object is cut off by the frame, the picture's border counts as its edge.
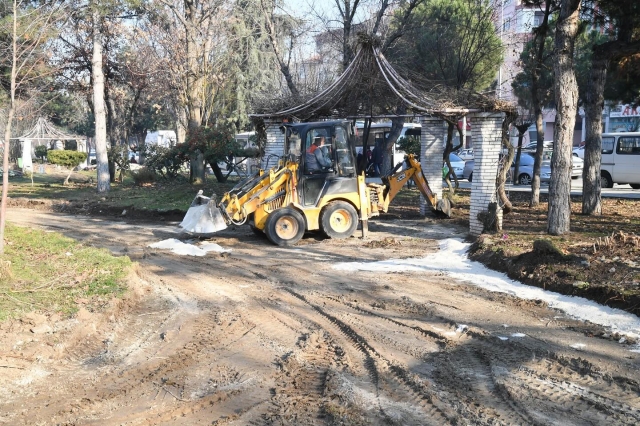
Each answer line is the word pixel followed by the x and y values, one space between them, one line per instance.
pixel 371 80
pixel 44 130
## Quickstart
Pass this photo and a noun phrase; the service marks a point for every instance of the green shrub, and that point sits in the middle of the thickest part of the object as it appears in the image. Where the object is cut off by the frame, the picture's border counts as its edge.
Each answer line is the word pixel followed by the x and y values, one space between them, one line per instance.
pixel 66 158
pixel 41 152
pixel 144 175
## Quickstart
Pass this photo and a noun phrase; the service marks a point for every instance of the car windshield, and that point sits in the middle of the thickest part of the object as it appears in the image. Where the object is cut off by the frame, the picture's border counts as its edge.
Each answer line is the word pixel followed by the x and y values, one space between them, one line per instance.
pixel 454 158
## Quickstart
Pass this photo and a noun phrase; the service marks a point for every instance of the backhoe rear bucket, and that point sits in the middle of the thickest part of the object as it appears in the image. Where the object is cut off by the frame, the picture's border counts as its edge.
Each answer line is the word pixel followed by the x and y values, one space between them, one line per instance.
pixel 443 207
pixel 203 217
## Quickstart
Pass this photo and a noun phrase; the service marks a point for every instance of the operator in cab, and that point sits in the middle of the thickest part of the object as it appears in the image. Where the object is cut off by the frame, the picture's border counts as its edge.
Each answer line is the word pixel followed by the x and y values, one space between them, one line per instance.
pixel 316 156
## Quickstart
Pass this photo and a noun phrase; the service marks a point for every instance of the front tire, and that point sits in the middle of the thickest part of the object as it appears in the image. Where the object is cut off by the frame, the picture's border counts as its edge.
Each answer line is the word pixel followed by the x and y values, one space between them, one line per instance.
pixel 635 185
pixel 471 177
pixel 285 227
pixel 524 179
pixel 339 219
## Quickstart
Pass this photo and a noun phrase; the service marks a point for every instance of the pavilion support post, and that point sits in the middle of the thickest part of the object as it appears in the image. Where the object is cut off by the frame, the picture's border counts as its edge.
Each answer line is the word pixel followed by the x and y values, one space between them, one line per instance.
pixel 433 136
pixel 274 145
pixel 485 213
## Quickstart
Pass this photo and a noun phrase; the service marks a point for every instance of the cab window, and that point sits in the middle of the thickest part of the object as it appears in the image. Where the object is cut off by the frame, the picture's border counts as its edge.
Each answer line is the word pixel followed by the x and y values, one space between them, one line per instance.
pixel 341 147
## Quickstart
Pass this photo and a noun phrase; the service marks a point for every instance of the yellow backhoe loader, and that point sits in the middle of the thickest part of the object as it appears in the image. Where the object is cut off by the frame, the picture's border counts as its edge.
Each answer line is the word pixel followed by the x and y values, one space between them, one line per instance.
pixel 314 187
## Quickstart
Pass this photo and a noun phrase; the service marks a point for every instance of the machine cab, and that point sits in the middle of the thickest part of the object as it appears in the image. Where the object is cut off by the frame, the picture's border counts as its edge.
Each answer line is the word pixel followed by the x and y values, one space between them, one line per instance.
pixel 325 153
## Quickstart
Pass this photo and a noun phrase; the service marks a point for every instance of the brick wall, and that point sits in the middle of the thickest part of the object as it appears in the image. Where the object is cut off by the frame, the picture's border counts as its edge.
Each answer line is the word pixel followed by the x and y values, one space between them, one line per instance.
pixel 433 135
pixel 275 143
pixel 486 134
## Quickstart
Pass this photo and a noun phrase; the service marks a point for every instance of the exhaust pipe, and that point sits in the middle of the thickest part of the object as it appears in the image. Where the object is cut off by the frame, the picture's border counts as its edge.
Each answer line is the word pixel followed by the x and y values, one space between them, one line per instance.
pixel 203 217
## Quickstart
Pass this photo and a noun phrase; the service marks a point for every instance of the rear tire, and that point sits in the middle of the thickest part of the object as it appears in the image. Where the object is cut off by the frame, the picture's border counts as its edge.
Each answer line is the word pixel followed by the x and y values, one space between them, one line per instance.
pixel 635 185
pixel 471 177
pixel 605 180
pixel 285 227
pixel 339 219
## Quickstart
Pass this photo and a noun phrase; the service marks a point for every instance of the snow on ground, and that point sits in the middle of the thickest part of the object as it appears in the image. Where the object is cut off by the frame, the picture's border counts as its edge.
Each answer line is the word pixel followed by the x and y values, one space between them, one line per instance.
pixel 452 259
pixel 185 249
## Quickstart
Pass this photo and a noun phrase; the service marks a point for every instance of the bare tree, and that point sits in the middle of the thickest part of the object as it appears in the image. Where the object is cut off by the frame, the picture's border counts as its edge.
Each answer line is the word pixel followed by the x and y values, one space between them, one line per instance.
pixel 566 92
pixel 104 177
pixel 28 29
pixel 540 36
pixel 199 24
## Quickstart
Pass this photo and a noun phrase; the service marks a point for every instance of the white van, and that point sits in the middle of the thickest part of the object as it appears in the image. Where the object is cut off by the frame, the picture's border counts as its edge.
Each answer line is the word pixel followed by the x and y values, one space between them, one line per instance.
pixel 379 132
pixel 620 159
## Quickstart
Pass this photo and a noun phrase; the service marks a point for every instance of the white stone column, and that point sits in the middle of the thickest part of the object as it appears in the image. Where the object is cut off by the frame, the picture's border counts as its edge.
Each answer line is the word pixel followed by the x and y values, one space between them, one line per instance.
pixel 275 143
pixel 486 134
pixel 432 139
pixel 27 165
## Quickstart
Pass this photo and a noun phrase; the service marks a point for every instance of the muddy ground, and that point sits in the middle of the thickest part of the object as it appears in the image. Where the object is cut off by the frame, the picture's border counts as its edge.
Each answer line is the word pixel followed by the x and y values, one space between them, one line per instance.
pixel 268 335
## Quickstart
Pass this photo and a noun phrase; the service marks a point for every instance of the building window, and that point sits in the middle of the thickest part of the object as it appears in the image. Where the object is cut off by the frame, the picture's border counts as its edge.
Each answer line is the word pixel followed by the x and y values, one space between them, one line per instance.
pixel 537 19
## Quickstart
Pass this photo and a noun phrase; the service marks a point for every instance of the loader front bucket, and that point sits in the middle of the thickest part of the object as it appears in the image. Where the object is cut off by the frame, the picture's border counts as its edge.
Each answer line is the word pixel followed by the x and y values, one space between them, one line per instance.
pixel 203 217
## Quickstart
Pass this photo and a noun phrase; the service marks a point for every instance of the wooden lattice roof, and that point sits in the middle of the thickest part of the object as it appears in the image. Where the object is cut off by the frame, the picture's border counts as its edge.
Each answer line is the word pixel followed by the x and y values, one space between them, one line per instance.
pixel 371 80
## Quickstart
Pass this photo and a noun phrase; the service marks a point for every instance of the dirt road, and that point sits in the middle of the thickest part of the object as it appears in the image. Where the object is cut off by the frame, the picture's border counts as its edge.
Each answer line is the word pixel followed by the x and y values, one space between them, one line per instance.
pixel 268 335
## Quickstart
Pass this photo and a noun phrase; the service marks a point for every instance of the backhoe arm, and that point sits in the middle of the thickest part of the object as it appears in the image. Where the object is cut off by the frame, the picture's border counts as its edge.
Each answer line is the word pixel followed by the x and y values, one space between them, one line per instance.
pixel 396 180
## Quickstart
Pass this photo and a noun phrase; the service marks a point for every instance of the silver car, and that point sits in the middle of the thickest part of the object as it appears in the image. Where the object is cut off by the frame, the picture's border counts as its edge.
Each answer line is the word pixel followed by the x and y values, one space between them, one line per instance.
pixel 525 170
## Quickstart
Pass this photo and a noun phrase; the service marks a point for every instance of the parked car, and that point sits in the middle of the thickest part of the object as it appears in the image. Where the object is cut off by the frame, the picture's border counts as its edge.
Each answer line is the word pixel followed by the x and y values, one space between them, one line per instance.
pixel 525 170
pixel 531 146
pixel 457 164
pixel 465 154
pixel 578 152
pixel 467 171
pixel 620 159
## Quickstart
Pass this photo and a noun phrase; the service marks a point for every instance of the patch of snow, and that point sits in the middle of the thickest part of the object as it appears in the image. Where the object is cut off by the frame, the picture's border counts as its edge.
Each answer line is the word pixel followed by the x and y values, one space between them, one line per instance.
pixel 184 249
pixel 578 346
pixel 518 335
pixel 461 328
pixel 503 338
pixel 452 260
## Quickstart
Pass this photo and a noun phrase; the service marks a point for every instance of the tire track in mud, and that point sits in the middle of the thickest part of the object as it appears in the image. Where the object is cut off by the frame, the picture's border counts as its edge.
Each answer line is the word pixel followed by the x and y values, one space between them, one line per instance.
pixel 408 383
pixel 487 382
pixel 559 392
pixel 440 340
pixel 469 374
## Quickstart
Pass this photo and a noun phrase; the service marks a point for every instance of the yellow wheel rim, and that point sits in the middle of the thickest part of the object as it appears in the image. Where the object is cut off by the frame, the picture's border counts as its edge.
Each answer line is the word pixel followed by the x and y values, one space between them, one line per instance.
pixel 287 227
pixel 340 221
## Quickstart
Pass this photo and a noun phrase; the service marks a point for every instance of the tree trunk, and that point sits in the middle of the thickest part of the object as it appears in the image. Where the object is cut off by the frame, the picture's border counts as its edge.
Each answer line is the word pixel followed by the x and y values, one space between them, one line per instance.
pixel 516 164
pixel 566 92
pixel 540 37
pixel 396 128
pixel 594 104
pixel 522 128
pixel 104 181
pixel 5 167
pixel 537 162
pixel 448 149
pixel 506 163
pixel 7 129
pixel 197 167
